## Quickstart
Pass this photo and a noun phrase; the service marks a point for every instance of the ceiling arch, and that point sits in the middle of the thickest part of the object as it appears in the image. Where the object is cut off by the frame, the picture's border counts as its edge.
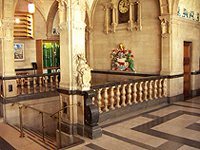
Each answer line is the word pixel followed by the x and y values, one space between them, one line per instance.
pixel 164 8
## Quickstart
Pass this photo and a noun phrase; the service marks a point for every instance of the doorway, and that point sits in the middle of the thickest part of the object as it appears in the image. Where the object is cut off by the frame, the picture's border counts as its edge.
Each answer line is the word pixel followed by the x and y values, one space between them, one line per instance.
pixel 187 69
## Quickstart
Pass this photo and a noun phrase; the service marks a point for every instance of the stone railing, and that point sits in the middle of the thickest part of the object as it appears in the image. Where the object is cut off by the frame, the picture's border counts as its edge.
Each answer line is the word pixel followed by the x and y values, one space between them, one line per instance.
pixel 110 96
pixel 29 84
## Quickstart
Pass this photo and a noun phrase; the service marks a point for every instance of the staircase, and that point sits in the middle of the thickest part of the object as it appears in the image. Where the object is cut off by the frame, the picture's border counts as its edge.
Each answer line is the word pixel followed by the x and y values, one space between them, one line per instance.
pixel 48 142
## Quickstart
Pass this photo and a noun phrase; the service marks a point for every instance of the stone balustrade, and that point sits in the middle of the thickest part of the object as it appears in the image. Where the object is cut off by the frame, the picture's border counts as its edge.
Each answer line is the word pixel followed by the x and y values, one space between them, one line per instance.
pixel 30 84
pixel 121 94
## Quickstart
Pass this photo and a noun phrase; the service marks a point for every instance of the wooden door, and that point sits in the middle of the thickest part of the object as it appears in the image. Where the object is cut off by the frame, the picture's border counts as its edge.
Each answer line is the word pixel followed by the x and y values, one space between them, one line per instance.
pixel 187 69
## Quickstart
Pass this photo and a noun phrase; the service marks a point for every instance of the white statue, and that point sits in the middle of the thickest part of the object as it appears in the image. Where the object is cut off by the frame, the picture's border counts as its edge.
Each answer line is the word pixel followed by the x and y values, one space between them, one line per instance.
pixel 84 73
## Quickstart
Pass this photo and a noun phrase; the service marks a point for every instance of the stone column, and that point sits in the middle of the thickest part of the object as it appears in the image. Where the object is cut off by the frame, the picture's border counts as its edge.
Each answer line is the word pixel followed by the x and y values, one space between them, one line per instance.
pixel 75 72
pixel 170 57
pixel 7 68
pixel 165 46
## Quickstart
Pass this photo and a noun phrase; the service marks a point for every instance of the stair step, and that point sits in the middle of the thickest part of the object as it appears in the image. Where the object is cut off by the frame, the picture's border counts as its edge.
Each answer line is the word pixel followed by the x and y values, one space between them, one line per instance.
pixel 37 137
pixel 49 144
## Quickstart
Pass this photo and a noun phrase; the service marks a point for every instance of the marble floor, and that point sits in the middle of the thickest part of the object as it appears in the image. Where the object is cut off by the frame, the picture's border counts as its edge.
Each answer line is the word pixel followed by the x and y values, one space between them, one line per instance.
pixel 172 127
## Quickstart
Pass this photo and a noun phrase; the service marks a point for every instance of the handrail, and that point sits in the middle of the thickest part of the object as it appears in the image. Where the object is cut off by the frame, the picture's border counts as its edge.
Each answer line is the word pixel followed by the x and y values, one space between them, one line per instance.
pixel 61 110
pixel 26 76
pixel 26 106
pixel 112 83
pixel 59 124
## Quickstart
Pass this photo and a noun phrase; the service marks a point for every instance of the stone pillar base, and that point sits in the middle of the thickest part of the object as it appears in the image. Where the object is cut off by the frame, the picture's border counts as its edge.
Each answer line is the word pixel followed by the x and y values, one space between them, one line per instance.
pixel 93 132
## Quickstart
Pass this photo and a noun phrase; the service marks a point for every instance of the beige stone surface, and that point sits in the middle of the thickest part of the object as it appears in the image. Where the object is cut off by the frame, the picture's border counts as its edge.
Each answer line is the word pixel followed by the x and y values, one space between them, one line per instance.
pixel 144 44
pixel 175 86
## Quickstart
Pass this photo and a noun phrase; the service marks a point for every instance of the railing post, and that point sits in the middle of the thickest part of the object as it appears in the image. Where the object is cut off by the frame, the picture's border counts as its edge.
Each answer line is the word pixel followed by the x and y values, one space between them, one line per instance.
pixel 91 116
pixel 43 138
pixel 165 87
pixel 21 121
pixel 59 130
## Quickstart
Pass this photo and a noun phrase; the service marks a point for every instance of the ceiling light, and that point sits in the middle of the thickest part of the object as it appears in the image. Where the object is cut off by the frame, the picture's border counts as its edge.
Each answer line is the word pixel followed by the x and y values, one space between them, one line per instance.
pixel 31 8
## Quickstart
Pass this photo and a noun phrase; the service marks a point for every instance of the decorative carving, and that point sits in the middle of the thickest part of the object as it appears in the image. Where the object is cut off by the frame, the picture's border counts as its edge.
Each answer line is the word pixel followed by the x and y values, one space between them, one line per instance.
pixel 164 26
pixel 124 14
pixel 62 8
pixel 122 59
pixel 84 73
pixel 7 28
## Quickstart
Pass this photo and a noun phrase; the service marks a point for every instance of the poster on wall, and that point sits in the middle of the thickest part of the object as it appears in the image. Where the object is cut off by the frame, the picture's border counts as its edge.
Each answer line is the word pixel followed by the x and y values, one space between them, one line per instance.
pixel 18 51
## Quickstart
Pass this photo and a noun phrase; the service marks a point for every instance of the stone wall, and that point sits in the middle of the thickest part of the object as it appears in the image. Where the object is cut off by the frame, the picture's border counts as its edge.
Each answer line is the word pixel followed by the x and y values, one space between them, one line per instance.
pixel 40 31
pixel 184 30
pixel 145 44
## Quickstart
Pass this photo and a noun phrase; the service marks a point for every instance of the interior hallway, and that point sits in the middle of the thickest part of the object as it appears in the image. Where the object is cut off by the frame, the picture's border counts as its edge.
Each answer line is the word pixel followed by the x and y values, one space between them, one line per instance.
pixel 173 127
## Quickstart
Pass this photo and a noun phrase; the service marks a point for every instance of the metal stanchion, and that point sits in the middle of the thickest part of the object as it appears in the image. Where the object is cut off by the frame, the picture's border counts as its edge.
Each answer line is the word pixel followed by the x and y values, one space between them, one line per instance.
pixel 43 134
pixel 21 122
pixel 59 128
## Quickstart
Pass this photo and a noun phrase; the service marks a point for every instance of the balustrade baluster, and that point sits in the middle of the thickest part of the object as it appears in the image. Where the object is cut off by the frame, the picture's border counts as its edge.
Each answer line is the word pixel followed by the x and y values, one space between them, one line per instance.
pixel 140 92
pixel 18 82
pixel 155 89
pixel 46 81
pixel 146 90
pixel 34 82
pixel 151 90
pixel 129 96
pixel 22 82
pixel 99 99
pixel 105 95
pixel 40 81
pixel 51 83
pixel 112 100
pixel 51 80
pixel 118 96
pixel 93 101
pixel 135 93
pixel 160 88
pixel 123 95
pixel 165 88
pixel 57 84
pixel 22 85
pixel 29 85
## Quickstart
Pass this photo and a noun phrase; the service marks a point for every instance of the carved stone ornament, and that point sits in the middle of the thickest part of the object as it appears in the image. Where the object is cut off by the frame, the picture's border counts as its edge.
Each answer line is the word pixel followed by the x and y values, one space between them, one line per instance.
pixel 84 73
pixel 62 2
pixel 164 26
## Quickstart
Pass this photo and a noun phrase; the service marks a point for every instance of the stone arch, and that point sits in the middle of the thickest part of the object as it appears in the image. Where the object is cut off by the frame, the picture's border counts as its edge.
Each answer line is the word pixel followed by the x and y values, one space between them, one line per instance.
pixel 50 19
pixel 164 8
pixel 37 6
pixel 175 6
